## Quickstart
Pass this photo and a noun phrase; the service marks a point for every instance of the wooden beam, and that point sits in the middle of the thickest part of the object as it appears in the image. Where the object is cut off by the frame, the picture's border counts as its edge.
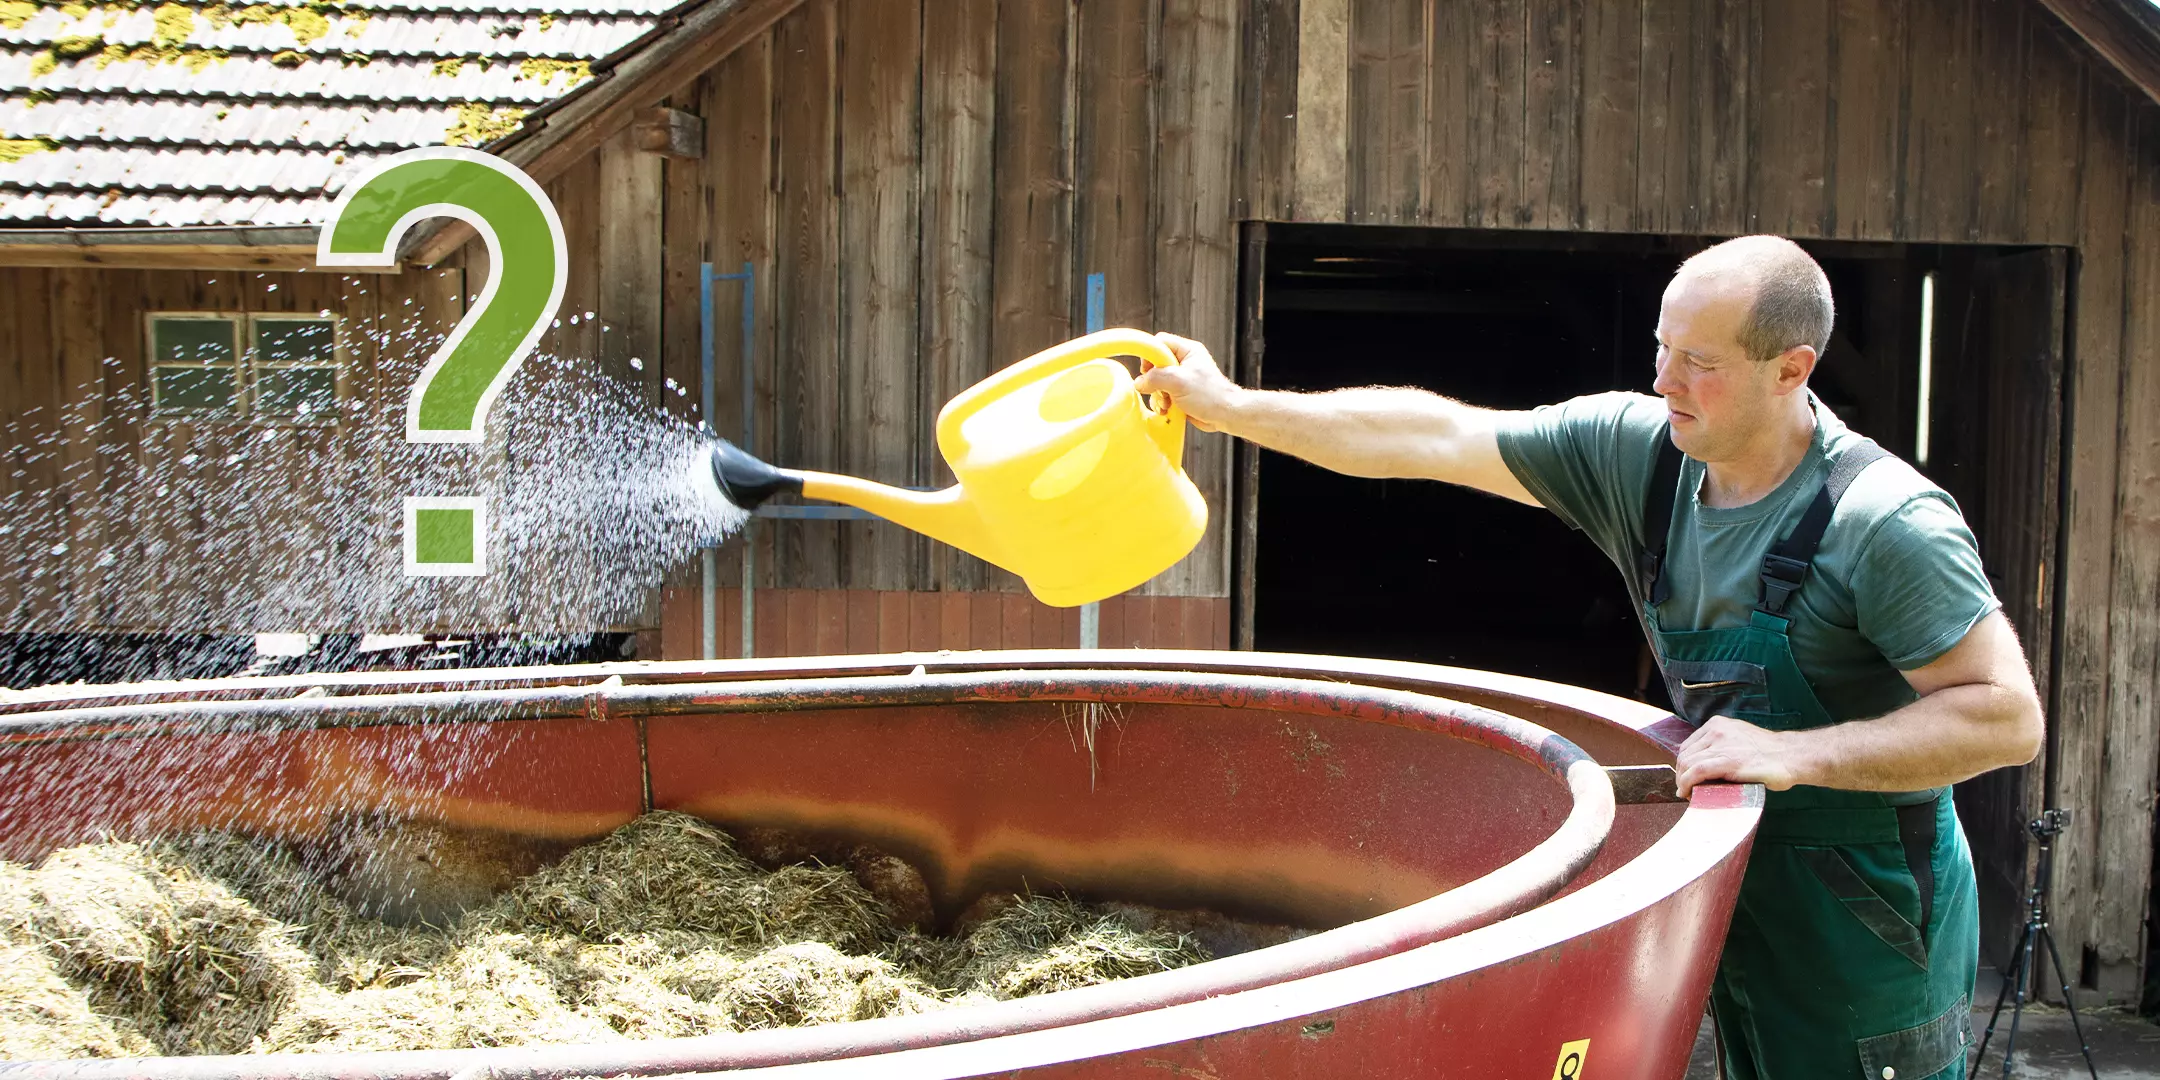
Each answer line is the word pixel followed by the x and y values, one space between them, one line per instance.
pixel 674 133
pixel 170 257
pixel 702 39
pixel 2124 32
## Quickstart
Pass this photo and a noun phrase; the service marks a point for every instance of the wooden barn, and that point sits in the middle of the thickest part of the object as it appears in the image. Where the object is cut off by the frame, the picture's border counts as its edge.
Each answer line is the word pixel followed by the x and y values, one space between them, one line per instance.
pixel 1479 196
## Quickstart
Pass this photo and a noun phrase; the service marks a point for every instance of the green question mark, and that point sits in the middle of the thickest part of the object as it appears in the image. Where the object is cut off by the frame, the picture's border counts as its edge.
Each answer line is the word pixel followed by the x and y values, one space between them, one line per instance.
pixel 446 536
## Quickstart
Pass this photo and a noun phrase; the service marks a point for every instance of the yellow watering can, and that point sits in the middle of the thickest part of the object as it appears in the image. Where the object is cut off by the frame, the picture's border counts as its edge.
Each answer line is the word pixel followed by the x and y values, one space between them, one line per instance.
pixel 1067 478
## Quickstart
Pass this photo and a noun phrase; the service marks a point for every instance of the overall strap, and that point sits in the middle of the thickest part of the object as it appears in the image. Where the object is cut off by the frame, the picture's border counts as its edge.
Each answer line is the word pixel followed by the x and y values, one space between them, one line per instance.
pixel 1785 568
pixel 1657 521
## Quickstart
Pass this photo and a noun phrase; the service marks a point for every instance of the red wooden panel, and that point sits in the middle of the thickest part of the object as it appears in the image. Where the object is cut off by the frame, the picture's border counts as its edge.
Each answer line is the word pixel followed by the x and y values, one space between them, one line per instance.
pixel 1139 629
pixel 831 622
pixel 772 620
pixel 893 623
pixel 986 619
pixel 1222 623
pixel 730 622
pixel 1169 622
pixel 1110 623
pixel 862 621
pixel 678 624
pixel 802 623
pixel 1044 631
pixel 1198 616
pixel 1016 623
pixel 953 611
pixel 923 610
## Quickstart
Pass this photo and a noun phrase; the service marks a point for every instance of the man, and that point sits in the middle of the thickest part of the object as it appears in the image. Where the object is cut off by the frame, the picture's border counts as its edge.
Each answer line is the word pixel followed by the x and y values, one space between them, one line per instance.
pixel 1818 611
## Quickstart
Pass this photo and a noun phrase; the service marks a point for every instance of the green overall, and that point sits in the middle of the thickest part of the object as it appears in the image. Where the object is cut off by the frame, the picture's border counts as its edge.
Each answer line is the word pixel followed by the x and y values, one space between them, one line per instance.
pixel 1855 942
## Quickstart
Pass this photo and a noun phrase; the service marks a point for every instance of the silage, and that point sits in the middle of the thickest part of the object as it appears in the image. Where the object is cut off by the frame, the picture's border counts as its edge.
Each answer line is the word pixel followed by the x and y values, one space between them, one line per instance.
pixel 221 944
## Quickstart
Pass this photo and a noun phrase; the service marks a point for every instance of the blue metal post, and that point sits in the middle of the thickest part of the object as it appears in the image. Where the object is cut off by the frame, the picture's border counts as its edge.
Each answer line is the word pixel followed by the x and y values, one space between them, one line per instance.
pixel 1091 614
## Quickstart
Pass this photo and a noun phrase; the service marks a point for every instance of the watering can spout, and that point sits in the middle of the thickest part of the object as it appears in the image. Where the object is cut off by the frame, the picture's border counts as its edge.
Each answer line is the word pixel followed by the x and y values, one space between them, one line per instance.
pixel 946 516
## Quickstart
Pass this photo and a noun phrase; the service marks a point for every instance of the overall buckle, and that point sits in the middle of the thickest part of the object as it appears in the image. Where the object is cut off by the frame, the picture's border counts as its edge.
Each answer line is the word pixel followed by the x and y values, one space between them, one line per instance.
pixel 1781 578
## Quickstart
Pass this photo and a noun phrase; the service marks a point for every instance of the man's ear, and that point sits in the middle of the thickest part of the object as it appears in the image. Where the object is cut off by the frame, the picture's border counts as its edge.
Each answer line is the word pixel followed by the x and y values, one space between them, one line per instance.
pixel 1794 367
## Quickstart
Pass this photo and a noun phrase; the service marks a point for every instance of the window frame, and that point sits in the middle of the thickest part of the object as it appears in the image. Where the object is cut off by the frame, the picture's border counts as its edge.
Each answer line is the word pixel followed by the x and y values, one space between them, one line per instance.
pixel 246 366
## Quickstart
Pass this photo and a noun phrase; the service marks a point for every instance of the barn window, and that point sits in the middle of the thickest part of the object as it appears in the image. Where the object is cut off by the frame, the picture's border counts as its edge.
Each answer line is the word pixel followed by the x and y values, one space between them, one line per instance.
pixel 194 367
pixel 273 367
pixel 295 367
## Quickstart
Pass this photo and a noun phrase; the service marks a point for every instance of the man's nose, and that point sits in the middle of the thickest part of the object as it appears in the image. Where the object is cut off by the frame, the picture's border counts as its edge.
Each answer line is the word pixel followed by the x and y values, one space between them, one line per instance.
pixel 1664 383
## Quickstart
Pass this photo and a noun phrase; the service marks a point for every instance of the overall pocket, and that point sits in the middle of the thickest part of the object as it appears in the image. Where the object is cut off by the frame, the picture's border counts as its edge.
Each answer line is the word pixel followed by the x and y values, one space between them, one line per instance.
pixel 1702 689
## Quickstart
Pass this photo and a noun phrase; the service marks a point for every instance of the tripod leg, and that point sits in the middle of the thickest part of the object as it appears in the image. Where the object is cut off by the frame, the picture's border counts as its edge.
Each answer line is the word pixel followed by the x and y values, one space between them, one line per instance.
pixel 2069 1002
pixel 2017 1012
pixel 2010 977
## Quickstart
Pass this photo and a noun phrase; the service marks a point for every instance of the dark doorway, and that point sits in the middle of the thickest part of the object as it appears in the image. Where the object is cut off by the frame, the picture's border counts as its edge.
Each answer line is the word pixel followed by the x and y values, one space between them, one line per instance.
pixel 1416 570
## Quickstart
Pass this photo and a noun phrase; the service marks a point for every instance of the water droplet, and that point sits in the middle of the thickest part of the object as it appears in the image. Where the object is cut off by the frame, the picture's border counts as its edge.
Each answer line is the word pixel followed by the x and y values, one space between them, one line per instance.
pixel 638 365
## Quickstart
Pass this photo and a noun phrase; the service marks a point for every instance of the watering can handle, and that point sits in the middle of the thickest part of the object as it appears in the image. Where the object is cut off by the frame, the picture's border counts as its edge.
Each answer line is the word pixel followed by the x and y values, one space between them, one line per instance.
pixel 1164 420
pixel 1165 425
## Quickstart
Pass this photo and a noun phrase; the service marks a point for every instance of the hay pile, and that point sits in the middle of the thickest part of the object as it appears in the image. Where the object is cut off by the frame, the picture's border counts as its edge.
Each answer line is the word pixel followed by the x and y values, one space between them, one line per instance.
pixel 217 944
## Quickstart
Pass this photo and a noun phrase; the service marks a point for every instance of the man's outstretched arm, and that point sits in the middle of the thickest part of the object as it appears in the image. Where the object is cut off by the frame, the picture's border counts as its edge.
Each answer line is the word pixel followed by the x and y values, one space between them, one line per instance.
pixel 1977 711
pixel 1372 431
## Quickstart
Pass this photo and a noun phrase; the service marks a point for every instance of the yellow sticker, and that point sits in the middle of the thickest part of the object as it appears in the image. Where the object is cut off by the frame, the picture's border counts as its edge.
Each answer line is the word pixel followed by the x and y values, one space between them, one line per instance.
pixel 1572 1056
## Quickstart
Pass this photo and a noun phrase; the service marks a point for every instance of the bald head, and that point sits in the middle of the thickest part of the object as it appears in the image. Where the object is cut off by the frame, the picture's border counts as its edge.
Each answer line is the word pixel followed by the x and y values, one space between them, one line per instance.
pixel 1792 303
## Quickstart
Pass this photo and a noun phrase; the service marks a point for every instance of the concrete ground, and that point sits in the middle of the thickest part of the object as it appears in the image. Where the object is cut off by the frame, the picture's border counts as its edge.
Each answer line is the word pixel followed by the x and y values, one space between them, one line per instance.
pixel 2124 1045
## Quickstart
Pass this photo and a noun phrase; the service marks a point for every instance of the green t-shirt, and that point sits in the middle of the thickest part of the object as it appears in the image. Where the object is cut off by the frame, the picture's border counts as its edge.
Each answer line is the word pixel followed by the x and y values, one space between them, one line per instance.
pixel 1896 582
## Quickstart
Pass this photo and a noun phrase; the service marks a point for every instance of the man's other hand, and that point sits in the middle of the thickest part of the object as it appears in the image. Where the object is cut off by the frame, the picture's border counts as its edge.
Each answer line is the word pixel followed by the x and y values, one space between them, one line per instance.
pixel 1195 385
pixel 1734 751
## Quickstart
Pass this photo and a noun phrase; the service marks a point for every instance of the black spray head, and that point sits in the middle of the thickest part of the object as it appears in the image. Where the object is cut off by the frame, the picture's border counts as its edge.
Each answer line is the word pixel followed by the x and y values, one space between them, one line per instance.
pixel 747 481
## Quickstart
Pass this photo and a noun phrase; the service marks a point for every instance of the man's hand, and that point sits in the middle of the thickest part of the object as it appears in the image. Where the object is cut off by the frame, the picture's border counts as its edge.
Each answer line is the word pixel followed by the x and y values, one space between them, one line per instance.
pixel 1196 385
pixel 1734 751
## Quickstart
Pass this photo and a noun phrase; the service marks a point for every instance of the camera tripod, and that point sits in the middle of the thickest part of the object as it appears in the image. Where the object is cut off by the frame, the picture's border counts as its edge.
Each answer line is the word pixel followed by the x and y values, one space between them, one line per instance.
pixel 2022 973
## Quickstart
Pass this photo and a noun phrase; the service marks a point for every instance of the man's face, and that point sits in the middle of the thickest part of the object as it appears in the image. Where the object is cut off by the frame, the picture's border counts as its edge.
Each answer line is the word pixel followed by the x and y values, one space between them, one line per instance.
pixel 1717 395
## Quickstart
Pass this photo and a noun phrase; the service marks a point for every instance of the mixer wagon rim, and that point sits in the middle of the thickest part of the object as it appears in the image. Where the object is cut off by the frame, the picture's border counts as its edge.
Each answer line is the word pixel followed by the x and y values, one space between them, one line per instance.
pixel 1520 885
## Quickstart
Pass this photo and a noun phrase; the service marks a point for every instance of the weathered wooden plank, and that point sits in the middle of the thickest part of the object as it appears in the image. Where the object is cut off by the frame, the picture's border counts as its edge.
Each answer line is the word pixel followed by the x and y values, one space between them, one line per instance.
pixel 1114 155
pixel 1322 191
pixel 1867 120
pixel 1611 87
pixel 1451 169
pixel 2094 416
pixel 632 198
pixel 1032 289
pixel 1196 272
pixel 79 348
pixel 1939 159
pixel 880 113
pixel 1267 141
pixel 1553 110
pixel 1245 506
pixel 1723 44
pixel 1792 120
pixel 2000 105
pixel 1664 176
pixel 1497 133
pixel 959 67
pixel 2133 727
pixel 806 258
pixel 1387 111
pixel 737 183
pixel 2054 87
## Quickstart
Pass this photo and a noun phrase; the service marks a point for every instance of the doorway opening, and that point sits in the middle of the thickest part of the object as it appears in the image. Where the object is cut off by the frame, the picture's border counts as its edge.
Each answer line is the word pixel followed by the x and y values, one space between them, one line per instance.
pixel 1417 570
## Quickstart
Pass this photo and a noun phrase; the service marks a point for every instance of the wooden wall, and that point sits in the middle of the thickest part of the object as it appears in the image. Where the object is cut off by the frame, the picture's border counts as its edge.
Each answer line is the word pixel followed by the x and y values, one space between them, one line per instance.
pixel 1957 121
pixel 923 187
